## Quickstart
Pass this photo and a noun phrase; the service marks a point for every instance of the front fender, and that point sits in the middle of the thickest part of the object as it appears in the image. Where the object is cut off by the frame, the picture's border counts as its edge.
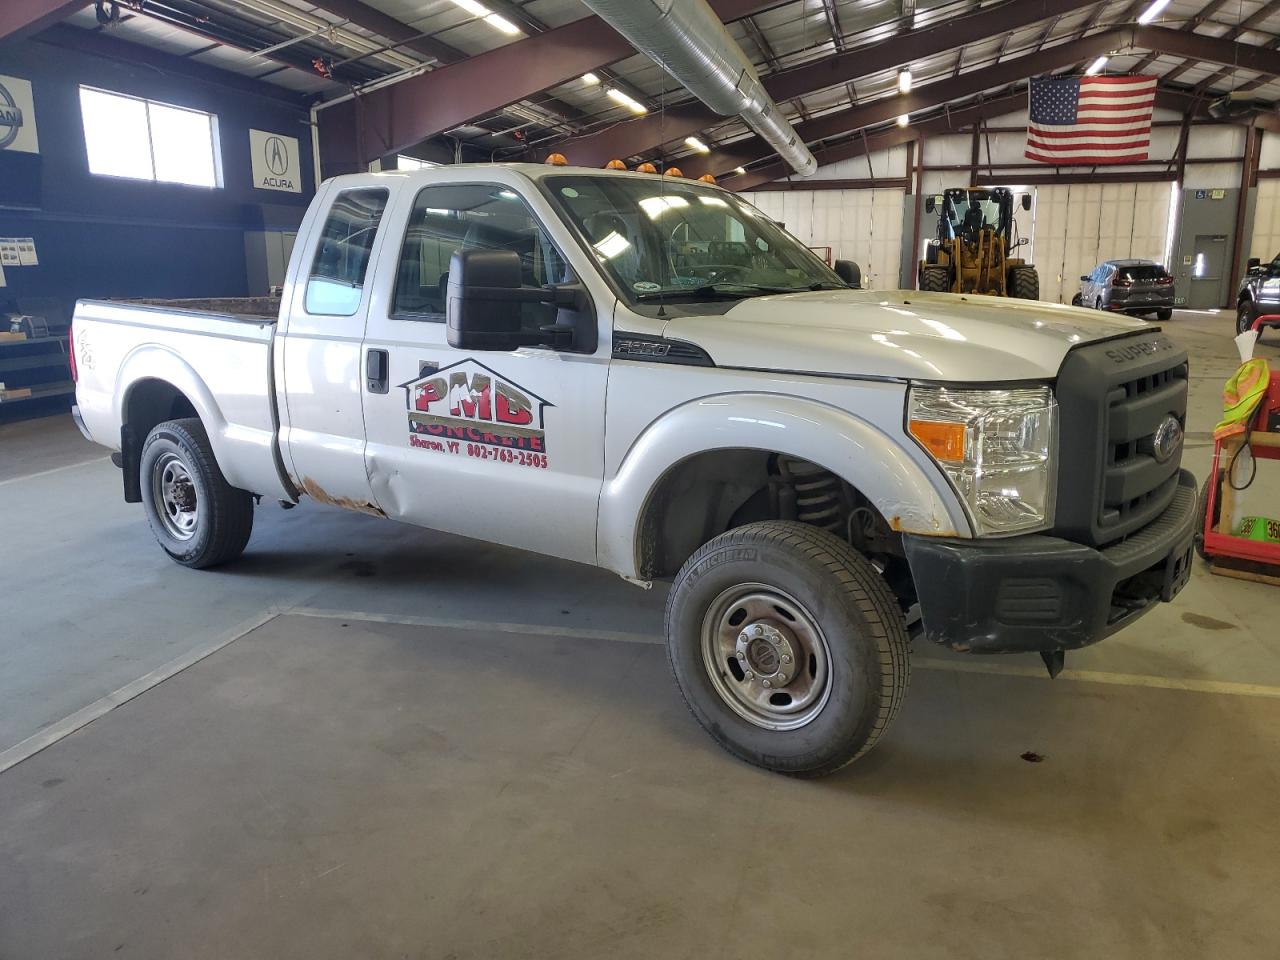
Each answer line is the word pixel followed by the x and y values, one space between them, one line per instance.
pixel 913 496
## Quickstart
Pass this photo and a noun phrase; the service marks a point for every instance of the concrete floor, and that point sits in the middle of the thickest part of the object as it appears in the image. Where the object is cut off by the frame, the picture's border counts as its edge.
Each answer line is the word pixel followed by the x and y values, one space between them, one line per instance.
pixel 374 752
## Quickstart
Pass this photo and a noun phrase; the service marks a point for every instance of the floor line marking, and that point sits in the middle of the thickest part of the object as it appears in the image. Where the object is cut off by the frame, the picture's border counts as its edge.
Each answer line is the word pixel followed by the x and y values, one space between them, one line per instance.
pixel 620 636
pixel 52 470
pixel 1226 687
pixel 85 715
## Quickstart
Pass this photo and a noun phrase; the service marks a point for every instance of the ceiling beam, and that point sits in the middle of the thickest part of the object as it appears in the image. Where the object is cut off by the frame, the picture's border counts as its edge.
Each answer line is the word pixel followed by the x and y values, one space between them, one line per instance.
pixel 405 113
pixel 953 122
pixel 22 18
pixel 635 137
pixel 925 97
pixel 1198 46
pixel 404 36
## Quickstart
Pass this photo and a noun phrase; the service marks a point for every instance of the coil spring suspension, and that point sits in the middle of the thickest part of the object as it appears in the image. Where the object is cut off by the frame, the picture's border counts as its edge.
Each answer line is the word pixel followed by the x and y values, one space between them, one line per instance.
pixel 810 494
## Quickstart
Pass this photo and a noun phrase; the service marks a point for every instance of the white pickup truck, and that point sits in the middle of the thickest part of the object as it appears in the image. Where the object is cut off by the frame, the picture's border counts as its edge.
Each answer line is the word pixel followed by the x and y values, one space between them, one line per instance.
pixel 648 375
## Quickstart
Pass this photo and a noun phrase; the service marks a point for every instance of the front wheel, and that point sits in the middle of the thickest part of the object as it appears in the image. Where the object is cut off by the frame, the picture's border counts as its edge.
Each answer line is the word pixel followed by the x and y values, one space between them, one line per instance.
pixel 788 647
pixel 1024 282
pixel 935 279
pixel 1244 316
pixel 198 518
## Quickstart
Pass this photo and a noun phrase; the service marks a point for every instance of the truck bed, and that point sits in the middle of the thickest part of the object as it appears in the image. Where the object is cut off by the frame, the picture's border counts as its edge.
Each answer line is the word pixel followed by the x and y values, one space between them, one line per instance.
pixel 217 354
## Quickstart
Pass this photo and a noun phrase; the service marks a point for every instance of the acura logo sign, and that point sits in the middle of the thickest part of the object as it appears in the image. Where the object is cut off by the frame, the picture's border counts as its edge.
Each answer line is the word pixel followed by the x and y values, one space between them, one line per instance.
pixel 10 118
pixel 1167 439
pixel 276 156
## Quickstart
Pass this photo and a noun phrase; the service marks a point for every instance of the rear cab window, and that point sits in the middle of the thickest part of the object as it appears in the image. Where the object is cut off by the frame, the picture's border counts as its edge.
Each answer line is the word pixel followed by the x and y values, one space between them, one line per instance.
pixel 335 283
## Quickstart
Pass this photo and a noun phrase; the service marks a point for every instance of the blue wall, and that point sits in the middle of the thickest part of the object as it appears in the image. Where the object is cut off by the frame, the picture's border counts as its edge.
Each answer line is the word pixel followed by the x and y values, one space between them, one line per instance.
pixel 108 237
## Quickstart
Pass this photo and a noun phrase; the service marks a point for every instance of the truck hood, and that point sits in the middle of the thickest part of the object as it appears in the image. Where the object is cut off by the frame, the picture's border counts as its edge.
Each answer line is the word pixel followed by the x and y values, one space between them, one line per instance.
pixel 902 334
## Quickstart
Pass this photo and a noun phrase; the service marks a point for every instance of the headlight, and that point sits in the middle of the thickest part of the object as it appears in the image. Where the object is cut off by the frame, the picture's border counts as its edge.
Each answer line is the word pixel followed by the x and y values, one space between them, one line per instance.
pixel 997 446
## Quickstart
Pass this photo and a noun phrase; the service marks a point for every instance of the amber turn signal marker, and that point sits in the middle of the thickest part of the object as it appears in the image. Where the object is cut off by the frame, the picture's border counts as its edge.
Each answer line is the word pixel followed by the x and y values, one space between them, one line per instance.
pixel 707 178
pixel 646 167
pixel 673 172
pixel 558 160
pixel 944 440
pixel 615 165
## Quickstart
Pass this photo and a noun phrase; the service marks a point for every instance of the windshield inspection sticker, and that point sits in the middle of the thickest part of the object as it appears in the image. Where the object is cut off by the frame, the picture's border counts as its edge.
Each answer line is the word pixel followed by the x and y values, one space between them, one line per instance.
pixel 645 286
pixel 466 409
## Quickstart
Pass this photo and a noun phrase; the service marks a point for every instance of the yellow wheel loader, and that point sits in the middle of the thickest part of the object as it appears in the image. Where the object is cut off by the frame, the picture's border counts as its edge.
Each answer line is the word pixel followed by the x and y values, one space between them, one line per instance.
pixel 972 252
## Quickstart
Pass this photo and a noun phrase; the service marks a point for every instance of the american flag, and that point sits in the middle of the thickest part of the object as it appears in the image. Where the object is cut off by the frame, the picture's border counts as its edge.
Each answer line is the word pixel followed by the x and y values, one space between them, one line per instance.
pixel 1090 120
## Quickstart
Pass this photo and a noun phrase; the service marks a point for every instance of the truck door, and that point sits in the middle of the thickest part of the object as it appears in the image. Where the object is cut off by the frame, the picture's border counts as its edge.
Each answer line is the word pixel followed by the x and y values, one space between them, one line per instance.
pixel 503 446
pixel 320 376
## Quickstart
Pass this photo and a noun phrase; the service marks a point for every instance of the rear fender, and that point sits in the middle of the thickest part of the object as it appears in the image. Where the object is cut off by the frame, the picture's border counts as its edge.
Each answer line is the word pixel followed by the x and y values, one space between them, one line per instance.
pixel 913 497
pixel 232 445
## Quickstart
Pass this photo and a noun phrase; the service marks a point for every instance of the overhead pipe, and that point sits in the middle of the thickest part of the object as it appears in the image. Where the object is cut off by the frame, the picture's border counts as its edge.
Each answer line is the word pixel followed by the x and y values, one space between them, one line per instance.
pixel 687 39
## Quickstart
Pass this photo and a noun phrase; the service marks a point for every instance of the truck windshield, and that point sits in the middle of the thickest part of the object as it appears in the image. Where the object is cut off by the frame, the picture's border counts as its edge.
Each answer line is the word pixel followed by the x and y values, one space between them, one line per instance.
pixel 661 239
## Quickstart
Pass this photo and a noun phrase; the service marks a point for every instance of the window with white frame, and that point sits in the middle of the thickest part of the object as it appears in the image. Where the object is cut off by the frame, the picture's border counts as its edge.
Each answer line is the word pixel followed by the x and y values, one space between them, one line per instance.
pixel 144 140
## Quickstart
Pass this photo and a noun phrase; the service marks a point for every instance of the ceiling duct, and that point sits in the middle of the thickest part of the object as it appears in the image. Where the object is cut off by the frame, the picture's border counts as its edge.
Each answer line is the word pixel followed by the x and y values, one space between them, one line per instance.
pixel 687 39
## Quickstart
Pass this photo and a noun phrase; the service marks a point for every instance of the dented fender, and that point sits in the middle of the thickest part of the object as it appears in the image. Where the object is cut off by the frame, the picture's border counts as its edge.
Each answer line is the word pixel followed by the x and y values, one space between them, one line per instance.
pixel 889 470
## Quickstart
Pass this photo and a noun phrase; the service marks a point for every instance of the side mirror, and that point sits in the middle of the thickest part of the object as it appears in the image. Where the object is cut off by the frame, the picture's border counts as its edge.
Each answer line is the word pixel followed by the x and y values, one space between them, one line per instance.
pixel 848 271
pixel 1026 201
pixel 1253 262
pixel 486 306
pixel 929 205
pixel 1086 279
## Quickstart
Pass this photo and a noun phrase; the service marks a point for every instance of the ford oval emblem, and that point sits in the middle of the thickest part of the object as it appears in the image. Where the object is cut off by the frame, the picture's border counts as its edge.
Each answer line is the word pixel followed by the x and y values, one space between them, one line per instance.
pixel 1167 439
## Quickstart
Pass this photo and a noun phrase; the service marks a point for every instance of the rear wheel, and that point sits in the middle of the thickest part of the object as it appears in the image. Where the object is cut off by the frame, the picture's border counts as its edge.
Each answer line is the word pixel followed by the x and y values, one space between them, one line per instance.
pixel 788 647
pixel 935 279
pixel 1097 304
pixel 1024 283
pixel 198 518
pixel 1164 314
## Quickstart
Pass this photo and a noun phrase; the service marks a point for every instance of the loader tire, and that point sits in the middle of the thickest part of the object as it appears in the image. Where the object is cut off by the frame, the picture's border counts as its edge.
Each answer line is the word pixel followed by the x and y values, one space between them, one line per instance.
pixel 935 279
pixel 1024 283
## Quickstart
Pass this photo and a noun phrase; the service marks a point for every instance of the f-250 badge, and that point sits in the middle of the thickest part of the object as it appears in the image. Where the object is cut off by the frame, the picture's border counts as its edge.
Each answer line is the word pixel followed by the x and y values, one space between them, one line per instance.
pixel 470 410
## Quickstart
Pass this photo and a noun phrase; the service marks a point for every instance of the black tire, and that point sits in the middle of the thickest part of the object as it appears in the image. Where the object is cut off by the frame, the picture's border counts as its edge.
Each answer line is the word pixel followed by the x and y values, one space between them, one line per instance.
pixel 1097 304
pixel 1202 515
pixel 1164 314
pixel 857 623
pixel 217 526
pixel 935 279
pixel 1076 301
pixel 1245 316
pixel 1024 283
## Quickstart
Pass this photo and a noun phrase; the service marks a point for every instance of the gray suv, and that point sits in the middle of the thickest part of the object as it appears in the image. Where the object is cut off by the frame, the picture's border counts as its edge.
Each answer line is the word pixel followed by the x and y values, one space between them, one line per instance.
pixel 1128 286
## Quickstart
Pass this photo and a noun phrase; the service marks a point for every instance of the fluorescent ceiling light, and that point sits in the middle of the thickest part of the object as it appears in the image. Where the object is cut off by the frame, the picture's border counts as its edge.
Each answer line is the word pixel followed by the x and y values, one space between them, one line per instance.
pixel 488 16
pixel 632 104
pixel 696 144
pixel 1096 67
pixel 612 245
pixel 657 206
pixel 903 120
pixel 1153 11
pixel 590 78
pixel 904 81
pixel 740 171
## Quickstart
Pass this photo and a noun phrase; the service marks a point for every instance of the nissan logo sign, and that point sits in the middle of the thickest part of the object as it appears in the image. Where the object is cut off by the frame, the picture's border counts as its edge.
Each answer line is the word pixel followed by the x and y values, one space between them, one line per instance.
pixel 1167 439
pixel 10 119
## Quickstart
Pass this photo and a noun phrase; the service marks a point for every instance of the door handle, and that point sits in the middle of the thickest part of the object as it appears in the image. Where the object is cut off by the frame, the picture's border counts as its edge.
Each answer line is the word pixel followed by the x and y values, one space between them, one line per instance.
pixel 375 371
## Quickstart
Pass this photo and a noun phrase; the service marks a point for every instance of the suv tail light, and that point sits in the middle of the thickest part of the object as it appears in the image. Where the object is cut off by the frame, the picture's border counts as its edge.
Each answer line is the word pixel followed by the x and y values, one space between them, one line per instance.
pixel 71 353
pixel 1120 282
pixel 1164 281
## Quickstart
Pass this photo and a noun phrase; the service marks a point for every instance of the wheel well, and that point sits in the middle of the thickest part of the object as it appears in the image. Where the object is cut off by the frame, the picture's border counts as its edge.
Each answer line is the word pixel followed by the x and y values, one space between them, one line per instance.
pixel 710 493
pixel 148 403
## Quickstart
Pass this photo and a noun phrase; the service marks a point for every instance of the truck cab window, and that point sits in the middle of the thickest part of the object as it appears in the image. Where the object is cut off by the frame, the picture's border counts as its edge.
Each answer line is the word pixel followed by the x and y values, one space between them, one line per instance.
pixel 449 218
pixel 336 282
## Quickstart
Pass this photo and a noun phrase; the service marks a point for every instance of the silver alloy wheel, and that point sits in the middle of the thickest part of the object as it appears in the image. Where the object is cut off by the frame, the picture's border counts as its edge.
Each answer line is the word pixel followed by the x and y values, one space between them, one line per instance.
pixel 766 656
pixel 174 496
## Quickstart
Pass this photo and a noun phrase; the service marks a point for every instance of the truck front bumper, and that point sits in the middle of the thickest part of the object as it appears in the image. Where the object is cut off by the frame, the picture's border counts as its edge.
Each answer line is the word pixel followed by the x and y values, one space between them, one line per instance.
pixel 1040 593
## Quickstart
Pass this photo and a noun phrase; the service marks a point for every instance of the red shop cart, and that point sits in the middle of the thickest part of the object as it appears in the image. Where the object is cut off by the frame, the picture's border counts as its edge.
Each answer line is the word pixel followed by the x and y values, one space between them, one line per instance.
pixel 1228 554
